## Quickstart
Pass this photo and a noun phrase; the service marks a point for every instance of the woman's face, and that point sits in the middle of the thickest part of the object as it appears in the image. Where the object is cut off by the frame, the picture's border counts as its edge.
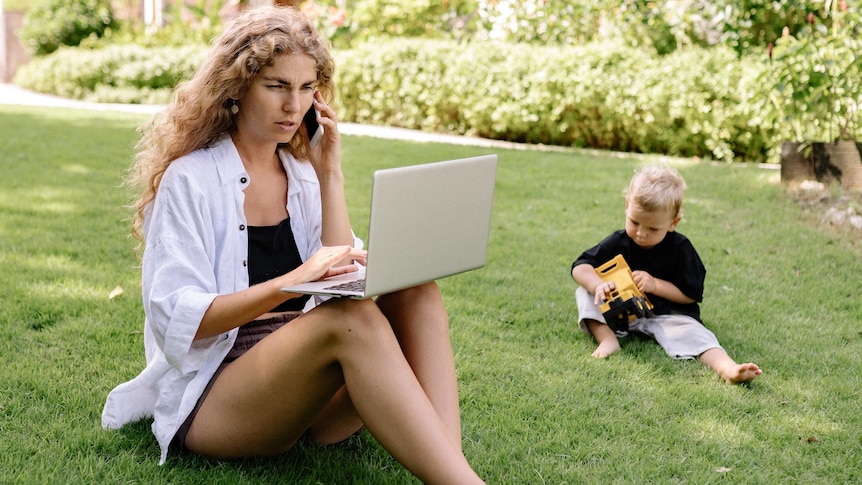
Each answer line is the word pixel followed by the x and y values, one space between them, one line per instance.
pixel 272 110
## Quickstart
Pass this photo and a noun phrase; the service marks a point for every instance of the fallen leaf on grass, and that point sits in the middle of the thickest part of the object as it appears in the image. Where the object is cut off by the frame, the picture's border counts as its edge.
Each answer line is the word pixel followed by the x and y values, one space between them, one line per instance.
pixel 116 293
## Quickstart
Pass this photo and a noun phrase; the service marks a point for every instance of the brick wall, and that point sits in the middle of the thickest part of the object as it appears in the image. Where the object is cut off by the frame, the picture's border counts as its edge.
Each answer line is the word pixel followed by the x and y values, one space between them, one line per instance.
pixel 12 52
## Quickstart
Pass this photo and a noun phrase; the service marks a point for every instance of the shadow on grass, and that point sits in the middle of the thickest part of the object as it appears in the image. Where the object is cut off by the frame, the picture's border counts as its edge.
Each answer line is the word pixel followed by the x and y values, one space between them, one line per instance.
pixel 305 463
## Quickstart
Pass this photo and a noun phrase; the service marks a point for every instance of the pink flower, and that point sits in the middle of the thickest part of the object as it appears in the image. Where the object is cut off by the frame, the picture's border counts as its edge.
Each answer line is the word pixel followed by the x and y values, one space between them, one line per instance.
pixel 311 10
pixel 811 18
pixel 337 16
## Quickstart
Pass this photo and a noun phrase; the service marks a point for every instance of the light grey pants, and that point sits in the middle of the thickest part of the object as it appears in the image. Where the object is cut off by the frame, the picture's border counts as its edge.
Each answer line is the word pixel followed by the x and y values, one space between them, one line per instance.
pixel 681 336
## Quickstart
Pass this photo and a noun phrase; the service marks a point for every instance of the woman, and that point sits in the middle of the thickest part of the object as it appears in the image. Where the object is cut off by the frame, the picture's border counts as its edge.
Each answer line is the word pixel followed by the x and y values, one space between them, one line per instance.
pixel 234 205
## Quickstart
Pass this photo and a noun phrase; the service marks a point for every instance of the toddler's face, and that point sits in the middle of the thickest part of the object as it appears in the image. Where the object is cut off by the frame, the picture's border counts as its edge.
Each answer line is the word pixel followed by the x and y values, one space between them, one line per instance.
pixel 648 228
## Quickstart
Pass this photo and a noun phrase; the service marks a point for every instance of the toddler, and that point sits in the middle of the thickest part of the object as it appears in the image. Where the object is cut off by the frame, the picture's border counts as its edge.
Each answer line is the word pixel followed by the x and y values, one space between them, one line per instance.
pixel 665 267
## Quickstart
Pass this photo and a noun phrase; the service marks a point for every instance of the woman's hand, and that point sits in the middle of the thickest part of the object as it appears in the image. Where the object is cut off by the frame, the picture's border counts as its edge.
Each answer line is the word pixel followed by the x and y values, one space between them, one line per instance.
pixel 322 264
pixel 326 156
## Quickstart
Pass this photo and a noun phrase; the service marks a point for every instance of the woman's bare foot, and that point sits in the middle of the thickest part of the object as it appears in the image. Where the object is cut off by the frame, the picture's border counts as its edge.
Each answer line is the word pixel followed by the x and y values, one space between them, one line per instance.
pixel 606 348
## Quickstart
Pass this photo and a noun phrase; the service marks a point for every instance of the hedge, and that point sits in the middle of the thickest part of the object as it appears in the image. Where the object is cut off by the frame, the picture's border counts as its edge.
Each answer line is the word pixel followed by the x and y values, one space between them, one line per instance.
pixel 694 102
pixel 113 74
pixel 50 24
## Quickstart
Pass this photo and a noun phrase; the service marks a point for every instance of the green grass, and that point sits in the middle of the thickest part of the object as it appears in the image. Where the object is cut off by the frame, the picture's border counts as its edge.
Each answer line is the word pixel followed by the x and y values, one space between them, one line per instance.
pixel 536 408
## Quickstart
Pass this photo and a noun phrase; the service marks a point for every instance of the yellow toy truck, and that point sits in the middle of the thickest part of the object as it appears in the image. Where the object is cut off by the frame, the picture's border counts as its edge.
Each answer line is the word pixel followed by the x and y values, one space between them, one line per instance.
pixel 626 302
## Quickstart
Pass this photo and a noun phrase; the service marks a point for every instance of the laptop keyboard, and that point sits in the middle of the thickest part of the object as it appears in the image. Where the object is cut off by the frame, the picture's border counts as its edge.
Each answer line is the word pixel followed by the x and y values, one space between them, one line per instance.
pixel 355 285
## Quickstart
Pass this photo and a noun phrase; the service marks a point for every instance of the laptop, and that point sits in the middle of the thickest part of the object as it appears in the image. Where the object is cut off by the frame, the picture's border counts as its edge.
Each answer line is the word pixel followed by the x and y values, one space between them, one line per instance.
pixel 426 222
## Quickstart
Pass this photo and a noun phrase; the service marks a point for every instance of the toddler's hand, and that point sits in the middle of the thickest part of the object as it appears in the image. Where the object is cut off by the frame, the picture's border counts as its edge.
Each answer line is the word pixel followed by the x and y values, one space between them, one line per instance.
pixel 603 290
pixel 644 280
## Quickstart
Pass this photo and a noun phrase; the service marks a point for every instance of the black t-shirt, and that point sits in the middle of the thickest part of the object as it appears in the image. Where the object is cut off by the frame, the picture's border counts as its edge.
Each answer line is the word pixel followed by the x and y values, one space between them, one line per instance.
pixel 272 252
pixel 674 260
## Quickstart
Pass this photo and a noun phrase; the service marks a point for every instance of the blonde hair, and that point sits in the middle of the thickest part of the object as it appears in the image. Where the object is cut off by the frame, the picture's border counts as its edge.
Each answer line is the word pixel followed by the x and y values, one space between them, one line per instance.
pixel 657 188
pixel 199 113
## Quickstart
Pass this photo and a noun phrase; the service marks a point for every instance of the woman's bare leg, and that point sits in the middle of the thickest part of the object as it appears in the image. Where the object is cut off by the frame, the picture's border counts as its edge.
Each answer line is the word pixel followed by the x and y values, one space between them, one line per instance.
pixel 421 325
pixel 336 422
pixel 263 402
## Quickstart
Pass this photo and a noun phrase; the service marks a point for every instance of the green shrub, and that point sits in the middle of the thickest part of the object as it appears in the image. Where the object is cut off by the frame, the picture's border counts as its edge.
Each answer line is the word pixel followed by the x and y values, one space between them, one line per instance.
pixel 50 24
pixel 16 5
pixel 116 74
pixel 746 26
pixel 363 20
pixel 693 102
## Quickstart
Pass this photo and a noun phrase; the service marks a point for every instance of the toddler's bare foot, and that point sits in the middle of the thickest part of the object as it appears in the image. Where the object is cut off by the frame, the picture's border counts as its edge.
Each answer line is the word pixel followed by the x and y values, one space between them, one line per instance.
pixel 606 348
pixel 740 373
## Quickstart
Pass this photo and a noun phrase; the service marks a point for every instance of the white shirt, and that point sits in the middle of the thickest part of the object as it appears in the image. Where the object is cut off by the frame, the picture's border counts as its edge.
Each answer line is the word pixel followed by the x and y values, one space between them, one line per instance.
pixel 196 247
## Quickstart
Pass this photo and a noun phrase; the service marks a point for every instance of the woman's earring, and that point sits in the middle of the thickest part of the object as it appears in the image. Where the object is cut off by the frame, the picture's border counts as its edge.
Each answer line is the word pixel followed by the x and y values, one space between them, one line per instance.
pixel 234 108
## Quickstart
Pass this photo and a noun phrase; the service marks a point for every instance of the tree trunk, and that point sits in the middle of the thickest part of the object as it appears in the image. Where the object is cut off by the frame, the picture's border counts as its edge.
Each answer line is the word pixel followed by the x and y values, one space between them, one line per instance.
pixel 844 156
pixel 796 166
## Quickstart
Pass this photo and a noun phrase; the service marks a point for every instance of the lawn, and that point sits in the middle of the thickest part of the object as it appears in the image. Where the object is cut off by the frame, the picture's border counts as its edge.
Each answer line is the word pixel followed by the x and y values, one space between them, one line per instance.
pixel 781 291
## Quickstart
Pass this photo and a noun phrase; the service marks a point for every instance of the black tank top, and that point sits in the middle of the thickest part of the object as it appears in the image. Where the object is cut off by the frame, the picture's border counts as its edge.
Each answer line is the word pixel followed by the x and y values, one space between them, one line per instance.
pixel 272 252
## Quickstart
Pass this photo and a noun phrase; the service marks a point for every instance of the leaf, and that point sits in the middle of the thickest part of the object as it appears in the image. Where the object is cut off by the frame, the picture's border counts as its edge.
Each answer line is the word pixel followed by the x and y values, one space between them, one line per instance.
pixel 116 292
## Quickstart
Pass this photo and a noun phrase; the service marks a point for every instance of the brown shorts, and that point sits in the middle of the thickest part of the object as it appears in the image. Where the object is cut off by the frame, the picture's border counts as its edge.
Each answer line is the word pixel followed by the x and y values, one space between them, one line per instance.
pixel 249 334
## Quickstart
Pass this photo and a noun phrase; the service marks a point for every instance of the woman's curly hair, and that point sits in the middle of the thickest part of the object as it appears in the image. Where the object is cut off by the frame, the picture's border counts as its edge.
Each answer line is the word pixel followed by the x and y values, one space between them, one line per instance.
pixel 200 114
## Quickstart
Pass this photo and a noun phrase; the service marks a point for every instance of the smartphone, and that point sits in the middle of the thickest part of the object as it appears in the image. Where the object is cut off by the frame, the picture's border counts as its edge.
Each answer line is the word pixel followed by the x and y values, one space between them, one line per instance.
pixel 315 131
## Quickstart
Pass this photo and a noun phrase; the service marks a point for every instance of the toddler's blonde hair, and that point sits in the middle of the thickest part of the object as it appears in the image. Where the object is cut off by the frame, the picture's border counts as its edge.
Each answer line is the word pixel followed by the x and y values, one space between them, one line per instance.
pixel 657 188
